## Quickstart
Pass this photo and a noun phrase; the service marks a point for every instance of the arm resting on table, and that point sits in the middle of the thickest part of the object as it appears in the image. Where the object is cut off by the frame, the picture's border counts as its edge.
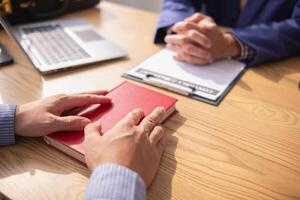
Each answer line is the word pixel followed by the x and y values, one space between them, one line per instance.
pixel 112 182
pixel 272 41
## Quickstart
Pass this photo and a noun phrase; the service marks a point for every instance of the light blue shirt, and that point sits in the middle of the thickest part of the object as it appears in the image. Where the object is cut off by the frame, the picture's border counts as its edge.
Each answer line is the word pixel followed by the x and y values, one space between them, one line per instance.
pixel 107 182
pixel 7 124
pixel 115 182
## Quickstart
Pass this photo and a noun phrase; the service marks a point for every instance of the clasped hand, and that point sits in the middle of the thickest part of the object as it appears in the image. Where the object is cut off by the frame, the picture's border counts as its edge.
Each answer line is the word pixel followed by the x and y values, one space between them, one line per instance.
pixel 199 40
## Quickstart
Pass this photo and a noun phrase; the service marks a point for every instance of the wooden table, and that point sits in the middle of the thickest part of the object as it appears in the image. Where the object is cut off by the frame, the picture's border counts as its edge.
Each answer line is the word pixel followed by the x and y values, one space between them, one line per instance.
pixel 246 148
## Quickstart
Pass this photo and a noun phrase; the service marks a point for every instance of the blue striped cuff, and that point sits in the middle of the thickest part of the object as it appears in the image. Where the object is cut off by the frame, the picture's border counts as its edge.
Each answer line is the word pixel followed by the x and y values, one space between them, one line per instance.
pixel 7 124
pixel 247 53
pixel 111 181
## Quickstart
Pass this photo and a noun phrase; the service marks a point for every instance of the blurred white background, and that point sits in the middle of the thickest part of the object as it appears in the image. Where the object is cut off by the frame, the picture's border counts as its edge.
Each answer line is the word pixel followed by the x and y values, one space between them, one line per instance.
pixel 150 5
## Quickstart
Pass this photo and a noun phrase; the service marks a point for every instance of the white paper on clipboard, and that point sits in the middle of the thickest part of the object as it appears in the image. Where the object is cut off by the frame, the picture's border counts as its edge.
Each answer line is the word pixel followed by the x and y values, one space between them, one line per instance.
pixel 207 81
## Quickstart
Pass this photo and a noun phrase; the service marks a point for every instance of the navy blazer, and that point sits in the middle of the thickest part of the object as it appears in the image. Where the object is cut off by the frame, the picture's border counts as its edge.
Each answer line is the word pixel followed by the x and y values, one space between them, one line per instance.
pixel 270 27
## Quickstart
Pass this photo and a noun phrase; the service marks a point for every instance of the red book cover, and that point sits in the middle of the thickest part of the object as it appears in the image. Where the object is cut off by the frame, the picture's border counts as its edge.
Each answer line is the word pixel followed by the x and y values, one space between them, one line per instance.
pixel 125 98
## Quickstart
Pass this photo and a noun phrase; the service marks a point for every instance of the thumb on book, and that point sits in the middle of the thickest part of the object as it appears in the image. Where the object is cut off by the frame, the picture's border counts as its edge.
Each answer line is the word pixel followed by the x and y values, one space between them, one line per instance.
pixel 71 123
pixel 93 129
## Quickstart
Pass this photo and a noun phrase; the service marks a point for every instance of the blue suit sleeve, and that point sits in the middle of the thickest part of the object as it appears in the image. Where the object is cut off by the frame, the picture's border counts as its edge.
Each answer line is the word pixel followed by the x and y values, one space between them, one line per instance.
pixel 7 124
pixel 172 11
pixel 272 41
pixel 112 182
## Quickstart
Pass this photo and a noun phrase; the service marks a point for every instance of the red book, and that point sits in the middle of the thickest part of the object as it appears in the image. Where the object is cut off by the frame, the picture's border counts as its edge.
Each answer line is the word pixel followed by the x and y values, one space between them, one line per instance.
pixel 125 98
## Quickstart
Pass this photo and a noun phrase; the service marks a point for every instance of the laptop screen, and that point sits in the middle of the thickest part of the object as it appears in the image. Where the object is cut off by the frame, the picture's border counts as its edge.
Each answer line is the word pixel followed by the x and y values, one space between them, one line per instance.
pixel 8 29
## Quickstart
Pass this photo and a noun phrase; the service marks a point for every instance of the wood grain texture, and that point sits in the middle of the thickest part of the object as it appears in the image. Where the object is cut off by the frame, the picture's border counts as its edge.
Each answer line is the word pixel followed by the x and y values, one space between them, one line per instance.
pixel 246 148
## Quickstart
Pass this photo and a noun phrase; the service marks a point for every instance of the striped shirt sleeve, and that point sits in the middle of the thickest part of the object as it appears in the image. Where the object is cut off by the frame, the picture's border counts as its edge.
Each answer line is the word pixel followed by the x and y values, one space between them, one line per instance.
pixel 111 182
pixel 247 53
pixel 7 124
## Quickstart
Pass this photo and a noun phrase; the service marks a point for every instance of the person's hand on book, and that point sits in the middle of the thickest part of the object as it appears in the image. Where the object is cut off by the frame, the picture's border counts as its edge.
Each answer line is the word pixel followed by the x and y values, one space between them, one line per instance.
pixel 131 143
pixel 46 116
pixel 199 40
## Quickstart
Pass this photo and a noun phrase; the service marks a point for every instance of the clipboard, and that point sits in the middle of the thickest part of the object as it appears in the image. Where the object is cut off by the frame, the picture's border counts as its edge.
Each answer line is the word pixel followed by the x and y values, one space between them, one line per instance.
pixel 155 76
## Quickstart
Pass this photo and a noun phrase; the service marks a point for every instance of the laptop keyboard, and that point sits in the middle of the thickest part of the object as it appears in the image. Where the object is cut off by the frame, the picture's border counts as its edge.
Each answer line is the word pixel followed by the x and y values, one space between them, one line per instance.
pixel 53 44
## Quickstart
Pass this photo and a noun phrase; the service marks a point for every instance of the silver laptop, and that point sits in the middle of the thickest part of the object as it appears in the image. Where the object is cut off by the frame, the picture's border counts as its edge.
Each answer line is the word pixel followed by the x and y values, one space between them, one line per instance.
pixel 61 44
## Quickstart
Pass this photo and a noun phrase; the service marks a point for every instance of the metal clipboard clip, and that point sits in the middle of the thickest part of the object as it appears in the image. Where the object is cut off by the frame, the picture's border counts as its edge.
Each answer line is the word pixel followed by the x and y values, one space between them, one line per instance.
pixel 152 80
